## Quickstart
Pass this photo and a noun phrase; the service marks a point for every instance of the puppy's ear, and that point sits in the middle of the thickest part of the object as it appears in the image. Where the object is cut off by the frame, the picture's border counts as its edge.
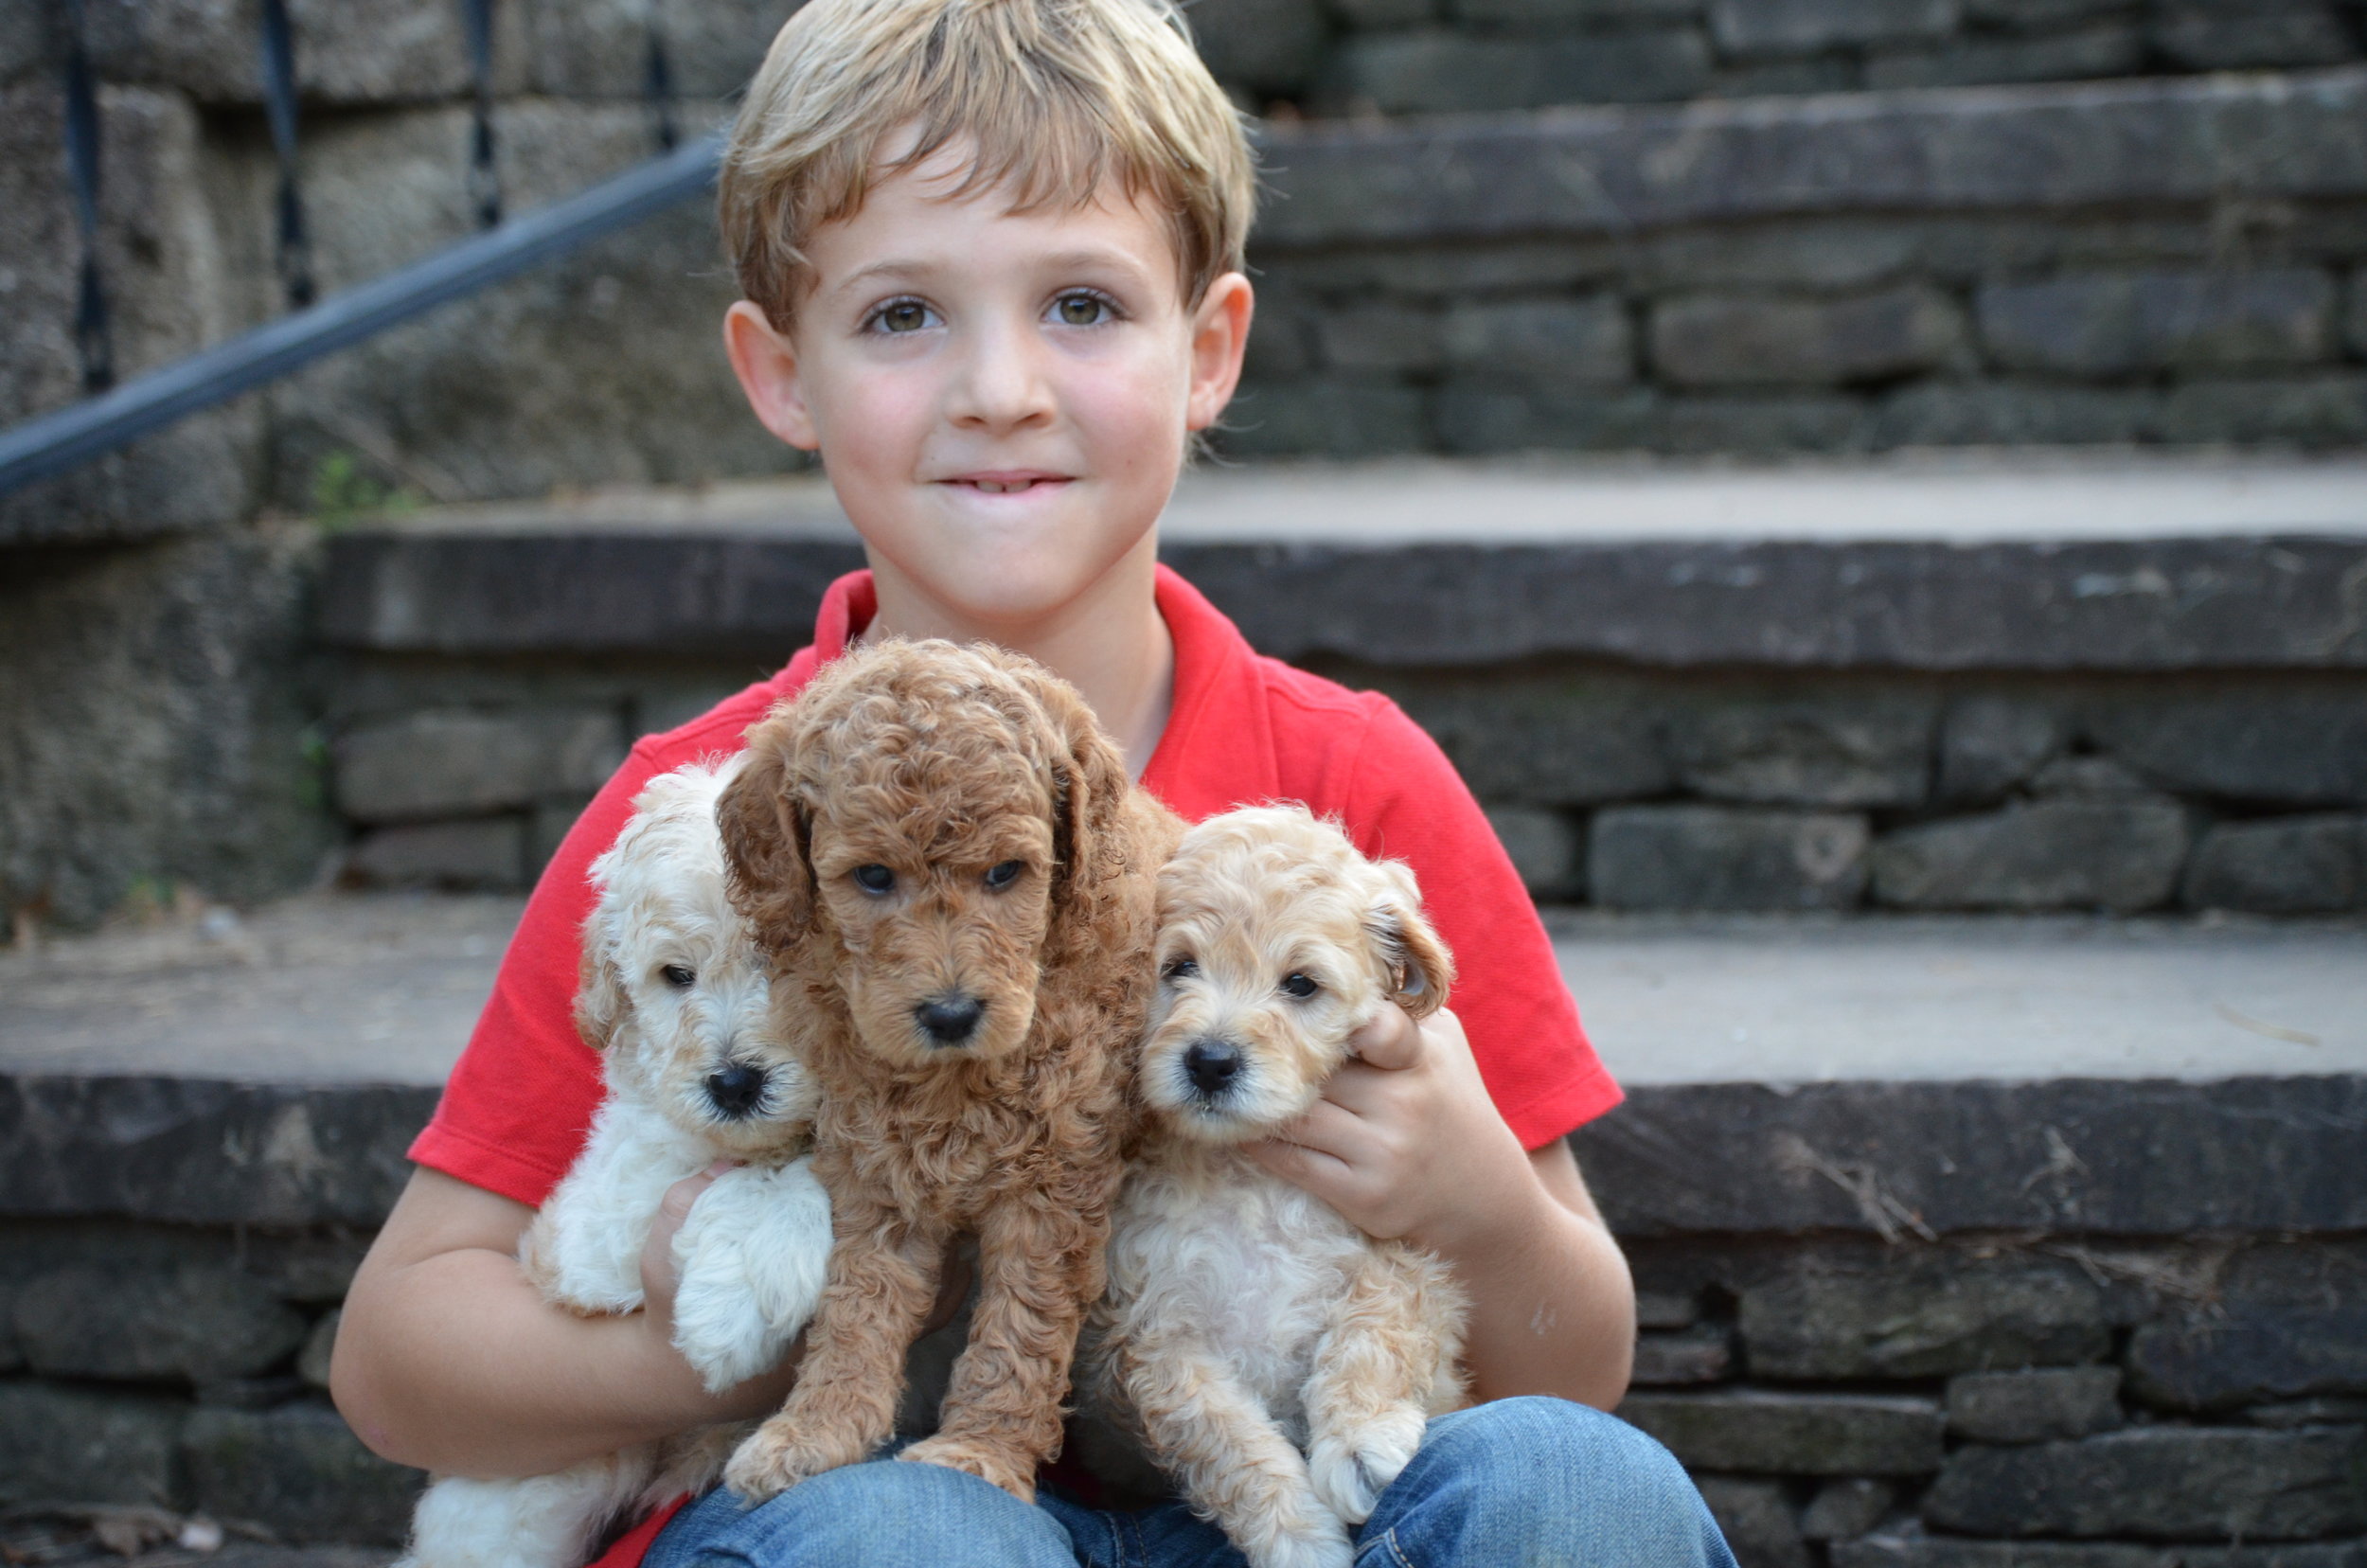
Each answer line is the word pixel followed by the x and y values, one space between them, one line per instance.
pixel 1090 779
pixel 600 1001
pixel 765 841
pixel 1421 969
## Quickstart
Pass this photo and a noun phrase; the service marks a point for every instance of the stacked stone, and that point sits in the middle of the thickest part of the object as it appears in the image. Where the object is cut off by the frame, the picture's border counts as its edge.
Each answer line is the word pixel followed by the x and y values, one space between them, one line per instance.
pixel 1395 57
pixel 2163 261
pixel 169 1294
pixel 2011 1400
pixel 160 730
pixel 1641 793
pixel 516 390
pixel 1957 1325
pixel 2111 726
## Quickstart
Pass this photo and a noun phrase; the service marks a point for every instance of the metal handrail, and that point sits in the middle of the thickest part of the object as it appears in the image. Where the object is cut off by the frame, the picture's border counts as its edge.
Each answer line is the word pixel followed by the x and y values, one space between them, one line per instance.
pixel 52 443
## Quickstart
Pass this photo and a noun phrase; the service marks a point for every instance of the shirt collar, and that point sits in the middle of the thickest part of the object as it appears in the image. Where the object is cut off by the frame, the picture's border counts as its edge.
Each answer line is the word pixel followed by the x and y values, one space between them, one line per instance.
pixel 1211 659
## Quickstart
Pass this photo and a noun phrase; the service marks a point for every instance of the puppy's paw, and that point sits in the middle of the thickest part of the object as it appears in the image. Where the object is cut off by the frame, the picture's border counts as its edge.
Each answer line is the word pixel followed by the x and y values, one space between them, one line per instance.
pixel 1350 1470
pixel 776 1457
pixel 751 1261
pixel 986 1463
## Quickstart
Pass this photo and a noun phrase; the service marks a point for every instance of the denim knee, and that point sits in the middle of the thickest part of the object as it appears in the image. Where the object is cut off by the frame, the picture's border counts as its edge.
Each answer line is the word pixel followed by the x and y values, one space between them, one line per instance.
pixel 1541 1480
pixel 887 1512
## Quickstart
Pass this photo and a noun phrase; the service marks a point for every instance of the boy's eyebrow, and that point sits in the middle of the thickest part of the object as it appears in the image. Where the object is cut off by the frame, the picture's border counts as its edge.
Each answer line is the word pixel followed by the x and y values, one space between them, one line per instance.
pixel 913 268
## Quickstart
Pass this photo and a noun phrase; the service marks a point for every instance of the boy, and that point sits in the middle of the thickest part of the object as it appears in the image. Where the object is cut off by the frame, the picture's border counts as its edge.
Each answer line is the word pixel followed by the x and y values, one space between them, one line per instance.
pixel 992 251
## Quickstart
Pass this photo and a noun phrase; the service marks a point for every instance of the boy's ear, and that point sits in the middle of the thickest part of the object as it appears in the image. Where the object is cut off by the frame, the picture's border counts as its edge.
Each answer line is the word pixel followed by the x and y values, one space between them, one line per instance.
pixel 764 838
pixel 1220 336
pixel 765 360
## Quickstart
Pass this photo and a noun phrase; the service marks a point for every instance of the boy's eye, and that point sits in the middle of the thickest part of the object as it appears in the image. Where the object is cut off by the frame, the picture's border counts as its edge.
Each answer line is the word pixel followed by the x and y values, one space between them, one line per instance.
pixel 1299 985
pixel 901 315
pixel 678 976
pixel 1178 968
pixel 1005 874
pixel 874 879
pixel 1080 309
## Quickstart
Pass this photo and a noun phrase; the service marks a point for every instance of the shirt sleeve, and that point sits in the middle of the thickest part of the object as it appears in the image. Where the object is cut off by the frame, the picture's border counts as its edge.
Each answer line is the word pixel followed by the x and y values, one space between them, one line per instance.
pixel 1406 802
pixel 519 1103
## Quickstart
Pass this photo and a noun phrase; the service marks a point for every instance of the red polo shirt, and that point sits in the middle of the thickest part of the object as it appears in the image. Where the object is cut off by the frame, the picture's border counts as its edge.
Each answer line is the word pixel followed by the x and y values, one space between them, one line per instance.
pixel 1243 728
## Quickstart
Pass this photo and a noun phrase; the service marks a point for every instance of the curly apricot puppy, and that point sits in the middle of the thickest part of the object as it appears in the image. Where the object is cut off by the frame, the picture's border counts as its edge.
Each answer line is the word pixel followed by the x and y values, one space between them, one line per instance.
pixel 1276 1361
pixel 955 876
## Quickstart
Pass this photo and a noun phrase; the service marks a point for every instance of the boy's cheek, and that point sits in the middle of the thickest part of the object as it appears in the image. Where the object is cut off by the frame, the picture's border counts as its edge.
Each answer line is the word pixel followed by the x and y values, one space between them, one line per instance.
pixel 870 421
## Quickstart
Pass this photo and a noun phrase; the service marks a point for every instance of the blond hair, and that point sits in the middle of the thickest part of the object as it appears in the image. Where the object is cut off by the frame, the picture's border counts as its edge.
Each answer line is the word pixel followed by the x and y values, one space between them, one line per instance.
pixel 1051 100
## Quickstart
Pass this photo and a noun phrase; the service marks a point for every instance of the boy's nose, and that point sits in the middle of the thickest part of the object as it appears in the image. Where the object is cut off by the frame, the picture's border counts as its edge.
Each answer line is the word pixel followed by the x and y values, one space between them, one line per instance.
pixel 999 386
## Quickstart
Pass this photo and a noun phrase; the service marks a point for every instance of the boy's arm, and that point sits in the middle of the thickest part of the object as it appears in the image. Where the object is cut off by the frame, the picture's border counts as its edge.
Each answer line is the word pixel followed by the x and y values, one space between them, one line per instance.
pixel 447 1358
pixel 1406 1142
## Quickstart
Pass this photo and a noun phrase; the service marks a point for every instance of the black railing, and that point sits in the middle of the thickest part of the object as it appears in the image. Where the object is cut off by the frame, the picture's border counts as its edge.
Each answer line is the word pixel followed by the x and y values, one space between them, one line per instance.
pixel 115 415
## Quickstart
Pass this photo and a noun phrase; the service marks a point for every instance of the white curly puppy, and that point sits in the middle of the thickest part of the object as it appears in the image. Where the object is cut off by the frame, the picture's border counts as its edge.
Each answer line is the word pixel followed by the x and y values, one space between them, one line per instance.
pixel 1275 1361
pixel 674 994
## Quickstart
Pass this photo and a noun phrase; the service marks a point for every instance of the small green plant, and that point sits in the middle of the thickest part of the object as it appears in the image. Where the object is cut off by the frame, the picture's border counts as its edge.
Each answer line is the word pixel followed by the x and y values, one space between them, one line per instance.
pixel 311 788
pixel 342 492
pixel 148 901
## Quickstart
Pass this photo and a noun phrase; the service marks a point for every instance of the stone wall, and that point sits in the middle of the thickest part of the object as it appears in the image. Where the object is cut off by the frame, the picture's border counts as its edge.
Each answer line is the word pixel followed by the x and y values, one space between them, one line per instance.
pixel 2164 263
pixel 2117 728
pixel 1620 789
pixel 157 726
pixel 1928 1326
pixel 157 719
pixel 1395 57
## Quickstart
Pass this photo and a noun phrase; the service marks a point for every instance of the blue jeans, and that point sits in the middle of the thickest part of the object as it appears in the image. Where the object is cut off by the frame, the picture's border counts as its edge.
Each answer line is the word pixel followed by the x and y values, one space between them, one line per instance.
pixel 1520 1481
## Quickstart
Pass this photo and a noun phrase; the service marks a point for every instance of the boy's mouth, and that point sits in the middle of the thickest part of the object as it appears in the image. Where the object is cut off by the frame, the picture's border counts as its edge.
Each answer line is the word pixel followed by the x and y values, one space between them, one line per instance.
pixel 1007 483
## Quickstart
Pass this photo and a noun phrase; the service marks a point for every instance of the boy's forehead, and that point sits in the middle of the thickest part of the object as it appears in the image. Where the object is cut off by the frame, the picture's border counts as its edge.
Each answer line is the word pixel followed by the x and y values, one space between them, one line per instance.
pixel 925 215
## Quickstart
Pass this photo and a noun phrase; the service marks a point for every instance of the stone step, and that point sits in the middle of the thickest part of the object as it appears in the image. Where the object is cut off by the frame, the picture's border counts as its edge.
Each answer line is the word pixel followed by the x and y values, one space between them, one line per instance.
pixel 1624 171
pixel 2112 563
pixel 384 988
pixel 2122 1078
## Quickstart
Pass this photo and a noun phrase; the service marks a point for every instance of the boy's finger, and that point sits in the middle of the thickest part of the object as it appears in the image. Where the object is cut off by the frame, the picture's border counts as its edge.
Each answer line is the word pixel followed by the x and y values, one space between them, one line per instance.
pixel 675 1206
pixel 1296 1164
pixel 1391 1041
pixel 1333 1131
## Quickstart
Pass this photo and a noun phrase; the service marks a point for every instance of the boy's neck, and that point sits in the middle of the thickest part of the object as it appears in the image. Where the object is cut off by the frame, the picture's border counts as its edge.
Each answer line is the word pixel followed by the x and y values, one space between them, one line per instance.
pixel 1109 642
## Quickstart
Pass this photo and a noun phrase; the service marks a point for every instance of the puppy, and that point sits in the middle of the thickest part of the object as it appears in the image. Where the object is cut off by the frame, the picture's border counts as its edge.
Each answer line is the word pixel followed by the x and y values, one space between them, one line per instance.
pixel 1246 1324
pixel 953 876
pixel 675 995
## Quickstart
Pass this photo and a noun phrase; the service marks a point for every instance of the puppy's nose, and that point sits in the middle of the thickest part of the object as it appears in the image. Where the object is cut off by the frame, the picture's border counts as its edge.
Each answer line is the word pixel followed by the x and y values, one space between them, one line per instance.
pixel 1211 1064
pixel 950 1019
pixel 736 1089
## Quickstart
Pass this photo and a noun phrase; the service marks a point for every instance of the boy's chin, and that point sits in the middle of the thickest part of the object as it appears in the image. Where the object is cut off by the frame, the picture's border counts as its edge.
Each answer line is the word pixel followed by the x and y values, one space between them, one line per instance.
pixel 987 573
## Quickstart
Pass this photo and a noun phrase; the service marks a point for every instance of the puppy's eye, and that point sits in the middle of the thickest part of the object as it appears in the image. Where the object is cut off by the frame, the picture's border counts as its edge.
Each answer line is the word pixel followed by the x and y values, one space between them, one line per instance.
pixel 1299 985
pixel 1005 874
pixel 874 879
pixel 678 976
pixel 1180 969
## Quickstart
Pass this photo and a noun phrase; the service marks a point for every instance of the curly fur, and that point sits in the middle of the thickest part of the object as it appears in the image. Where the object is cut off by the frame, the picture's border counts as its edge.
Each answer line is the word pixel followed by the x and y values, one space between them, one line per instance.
pixel 1274 1360
pixel 752 1254
pixel 951 767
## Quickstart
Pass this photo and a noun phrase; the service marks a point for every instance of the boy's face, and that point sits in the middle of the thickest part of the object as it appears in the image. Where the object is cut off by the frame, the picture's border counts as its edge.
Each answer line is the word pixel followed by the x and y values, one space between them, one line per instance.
pixel 1001 398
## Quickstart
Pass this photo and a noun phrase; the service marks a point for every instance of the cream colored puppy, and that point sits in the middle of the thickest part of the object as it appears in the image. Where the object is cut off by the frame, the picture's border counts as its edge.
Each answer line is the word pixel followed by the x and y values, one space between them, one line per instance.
pixel 1278 1363
pixel 676 996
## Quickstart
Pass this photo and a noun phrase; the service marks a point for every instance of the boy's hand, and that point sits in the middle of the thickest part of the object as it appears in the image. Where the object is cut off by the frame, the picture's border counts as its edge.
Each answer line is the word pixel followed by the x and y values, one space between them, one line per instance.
pixel 1405 1142
pixel 658 1279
